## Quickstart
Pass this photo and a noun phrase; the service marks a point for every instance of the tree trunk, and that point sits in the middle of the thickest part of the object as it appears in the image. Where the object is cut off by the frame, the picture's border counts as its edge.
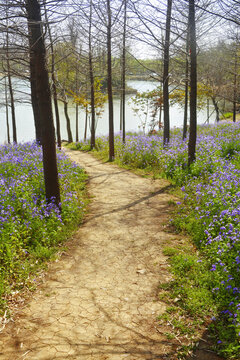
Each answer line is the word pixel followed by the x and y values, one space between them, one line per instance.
pixel 121 108
pixel 34 96
pixel 193 84
pixel 186 90
pixel 54 87
pixel 69 131
pixel 12 103
pixel 166 130
pixel 7 112
pixel 124 73
pixel 160 118
pixel 216 109
pixel 109 84
pixel 38 54
pixel 91 79
pixel 77 106
pixel 14 128
pixel 235 88
pixel 55 101
pixel 34 101
pixel 77 138
pixel 208 111
pixel 85 131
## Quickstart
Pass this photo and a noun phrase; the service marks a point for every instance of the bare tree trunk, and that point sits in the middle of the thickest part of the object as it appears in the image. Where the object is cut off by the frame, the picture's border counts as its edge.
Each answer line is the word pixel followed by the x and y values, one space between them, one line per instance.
pixel 208 112
pixel 69 131
pixel 85 131
pixel 166 130
pixel 124 73
pixel 235 88
pixel 34 101
pixel 77 115
pixel 193 84
pixel 34 96
pixel 121 108
pixel 54 87
pixel 38 54
pixel 91 79
pixel 14 128
pixel 12 103
pixel 109 82
pixel 7 112
pixel 77 106
pixel 216 109
pixel 186 90
pixel 160 118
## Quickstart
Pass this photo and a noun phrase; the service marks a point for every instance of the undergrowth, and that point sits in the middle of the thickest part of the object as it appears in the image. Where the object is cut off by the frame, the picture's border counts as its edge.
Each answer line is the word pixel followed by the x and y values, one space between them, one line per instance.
pixel 32 230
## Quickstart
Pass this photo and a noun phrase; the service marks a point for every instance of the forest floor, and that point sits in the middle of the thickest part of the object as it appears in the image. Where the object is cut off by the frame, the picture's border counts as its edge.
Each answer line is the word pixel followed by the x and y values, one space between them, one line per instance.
pixel 100 299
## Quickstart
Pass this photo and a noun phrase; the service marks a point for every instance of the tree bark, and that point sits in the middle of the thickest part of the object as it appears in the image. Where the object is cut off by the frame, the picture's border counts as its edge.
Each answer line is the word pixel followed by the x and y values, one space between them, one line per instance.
pixel 54 87
pixel 91 79
pixel 12 103
pixel 166 120
pixel 186 90
pixel 34 99
pixel 77 115
pixel 124 73
pixel 7 112
pixel 38 54
pixel 14 128
pixel 34 96
pixel 69 131
pixel 193 84
pixel 109 82
pixel 216 109
pixel 85 130
pixel 235 87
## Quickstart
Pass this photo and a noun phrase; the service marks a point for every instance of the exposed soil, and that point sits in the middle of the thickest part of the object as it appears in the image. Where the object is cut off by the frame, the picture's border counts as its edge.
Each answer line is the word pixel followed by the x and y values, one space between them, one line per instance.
pixel 99 301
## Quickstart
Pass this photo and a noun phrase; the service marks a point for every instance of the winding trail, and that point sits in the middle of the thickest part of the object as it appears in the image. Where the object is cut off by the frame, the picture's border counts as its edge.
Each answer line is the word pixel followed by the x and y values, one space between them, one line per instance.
pixel 99 301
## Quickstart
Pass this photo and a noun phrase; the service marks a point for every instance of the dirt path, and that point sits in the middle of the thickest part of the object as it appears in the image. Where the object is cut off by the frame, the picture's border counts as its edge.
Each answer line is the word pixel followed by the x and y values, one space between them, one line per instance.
pixel 99 300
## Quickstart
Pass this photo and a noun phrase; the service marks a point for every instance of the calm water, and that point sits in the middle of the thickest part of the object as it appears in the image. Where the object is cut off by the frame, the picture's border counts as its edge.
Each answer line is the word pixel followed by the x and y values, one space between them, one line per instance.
pixel 25 125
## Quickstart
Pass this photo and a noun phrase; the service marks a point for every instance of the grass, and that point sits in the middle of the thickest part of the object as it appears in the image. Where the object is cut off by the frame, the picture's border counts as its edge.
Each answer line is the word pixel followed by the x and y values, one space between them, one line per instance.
pixel 32 231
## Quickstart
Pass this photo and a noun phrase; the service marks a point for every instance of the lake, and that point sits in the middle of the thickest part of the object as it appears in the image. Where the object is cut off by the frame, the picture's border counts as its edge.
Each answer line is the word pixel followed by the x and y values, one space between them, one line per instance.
pixel 25 124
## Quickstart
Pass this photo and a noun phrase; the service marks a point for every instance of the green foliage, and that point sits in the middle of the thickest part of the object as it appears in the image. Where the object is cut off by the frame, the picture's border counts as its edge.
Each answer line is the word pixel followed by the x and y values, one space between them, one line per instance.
pixel 230 149
pixel 227 115
pixel 83 98
pixel 79 146
pixel 189 297
pixel 204 92
pixel 32 231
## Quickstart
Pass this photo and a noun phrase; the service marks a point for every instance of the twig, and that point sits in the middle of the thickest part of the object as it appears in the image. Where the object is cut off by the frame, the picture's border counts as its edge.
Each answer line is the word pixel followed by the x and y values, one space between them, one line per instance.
pixel 4 321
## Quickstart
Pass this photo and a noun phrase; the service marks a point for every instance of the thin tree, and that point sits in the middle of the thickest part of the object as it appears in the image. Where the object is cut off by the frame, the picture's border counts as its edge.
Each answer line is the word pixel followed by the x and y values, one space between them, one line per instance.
pixel 10 86
pixel 53 77
pixel 68 121
pixel 77 106
pixel 91 77
pixel 193 83
pixel 38 54
pixel 166 129
pixel 7 112
pixel 123 98
pixel 186 89
pixel 235 86
pixel 109 82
